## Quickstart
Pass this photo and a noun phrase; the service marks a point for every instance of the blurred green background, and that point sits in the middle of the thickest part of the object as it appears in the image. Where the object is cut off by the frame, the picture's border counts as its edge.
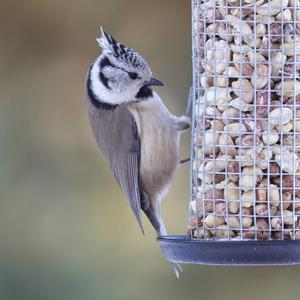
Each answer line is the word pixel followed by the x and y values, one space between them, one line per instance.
pixel 65 230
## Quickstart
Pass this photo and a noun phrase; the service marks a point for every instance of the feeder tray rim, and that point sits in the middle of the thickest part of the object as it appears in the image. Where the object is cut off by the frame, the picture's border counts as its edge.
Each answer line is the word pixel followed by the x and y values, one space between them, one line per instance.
pixel 182 249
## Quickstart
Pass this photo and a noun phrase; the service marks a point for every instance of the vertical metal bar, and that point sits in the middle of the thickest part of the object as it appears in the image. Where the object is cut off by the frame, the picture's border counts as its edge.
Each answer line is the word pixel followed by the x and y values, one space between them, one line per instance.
pixel 191 176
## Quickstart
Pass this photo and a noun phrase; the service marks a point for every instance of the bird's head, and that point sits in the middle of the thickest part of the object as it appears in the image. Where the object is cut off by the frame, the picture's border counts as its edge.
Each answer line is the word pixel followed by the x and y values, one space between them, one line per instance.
pixel 120 74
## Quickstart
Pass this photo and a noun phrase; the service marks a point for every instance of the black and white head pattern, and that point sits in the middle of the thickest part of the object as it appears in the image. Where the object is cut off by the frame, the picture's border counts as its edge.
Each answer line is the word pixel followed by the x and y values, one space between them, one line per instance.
pixel 119 73
pixel 120 51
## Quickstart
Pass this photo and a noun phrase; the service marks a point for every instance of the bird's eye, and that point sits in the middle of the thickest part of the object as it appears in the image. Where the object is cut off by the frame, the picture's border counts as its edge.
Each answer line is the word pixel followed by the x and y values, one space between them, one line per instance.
pixel 133 75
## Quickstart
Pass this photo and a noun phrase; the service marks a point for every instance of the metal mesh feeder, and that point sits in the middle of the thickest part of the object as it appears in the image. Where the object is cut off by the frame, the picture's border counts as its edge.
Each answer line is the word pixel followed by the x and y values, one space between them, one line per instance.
pixel 245 163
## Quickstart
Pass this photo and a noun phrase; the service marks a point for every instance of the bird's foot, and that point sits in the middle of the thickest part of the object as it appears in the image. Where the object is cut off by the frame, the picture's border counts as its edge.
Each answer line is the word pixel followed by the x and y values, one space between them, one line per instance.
pixel 183 123
pixel 176 268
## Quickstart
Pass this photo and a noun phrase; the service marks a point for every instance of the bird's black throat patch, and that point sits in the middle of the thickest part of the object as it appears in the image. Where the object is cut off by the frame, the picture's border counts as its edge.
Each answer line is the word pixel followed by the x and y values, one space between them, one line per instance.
pixel 144 92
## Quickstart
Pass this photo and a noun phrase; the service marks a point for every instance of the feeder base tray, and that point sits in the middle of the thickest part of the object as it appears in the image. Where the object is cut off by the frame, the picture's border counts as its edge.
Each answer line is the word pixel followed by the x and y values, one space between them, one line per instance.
pixel 181 249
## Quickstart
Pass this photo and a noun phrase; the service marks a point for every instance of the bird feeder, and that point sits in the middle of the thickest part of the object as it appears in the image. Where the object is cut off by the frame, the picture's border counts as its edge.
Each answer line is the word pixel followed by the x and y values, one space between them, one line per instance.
pixel 245 150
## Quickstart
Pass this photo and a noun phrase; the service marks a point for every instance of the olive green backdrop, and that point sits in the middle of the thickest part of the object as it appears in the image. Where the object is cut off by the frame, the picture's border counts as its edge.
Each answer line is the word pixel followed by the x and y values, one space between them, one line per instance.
pixel 65 230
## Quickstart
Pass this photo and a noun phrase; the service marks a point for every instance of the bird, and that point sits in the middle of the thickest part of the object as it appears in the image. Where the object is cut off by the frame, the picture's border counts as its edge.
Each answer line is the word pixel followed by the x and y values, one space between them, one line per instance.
pixel 137 134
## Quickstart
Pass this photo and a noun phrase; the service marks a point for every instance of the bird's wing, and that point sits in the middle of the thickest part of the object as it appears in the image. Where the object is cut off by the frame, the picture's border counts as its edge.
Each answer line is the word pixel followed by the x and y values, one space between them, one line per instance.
pixel 126 163
pixel 117 135
pixel 126 168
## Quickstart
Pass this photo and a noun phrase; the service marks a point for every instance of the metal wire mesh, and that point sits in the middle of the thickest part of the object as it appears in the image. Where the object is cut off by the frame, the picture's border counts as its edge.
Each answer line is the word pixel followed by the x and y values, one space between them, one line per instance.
pixel 245 175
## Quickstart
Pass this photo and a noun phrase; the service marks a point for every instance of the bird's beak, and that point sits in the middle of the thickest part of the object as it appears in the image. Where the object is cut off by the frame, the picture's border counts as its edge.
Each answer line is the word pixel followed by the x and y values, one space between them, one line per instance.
pixel 155 82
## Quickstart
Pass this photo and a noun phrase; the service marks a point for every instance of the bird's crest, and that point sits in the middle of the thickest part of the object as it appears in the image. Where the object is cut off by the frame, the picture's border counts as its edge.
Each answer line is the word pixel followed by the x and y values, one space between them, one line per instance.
pixel 110 46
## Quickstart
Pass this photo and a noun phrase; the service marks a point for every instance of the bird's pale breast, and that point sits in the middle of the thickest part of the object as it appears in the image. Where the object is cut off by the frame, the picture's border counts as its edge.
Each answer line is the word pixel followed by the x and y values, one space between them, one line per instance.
pixel 159 145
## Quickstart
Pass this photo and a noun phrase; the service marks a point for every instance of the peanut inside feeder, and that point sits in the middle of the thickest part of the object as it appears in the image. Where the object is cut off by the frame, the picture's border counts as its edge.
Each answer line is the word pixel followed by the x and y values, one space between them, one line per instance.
pixel 246 133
